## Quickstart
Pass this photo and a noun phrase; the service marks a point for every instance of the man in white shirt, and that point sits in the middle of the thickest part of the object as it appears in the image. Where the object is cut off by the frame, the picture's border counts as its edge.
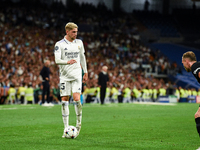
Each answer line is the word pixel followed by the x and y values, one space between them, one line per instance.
pixel 69 55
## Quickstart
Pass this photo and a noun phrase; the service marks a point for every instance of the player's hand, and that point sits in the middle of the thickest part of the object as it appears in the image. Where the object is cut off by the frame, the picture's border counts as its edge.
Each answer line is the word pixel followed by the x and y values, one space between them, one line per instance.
pixel 85 77
pixel 71 61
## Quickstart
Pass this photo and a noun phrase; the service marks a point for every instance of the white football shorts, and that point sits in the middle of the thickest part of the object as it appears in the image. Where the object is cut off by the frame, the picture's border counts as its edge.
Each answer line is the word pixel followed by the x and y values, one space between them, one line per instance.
pixel 69 87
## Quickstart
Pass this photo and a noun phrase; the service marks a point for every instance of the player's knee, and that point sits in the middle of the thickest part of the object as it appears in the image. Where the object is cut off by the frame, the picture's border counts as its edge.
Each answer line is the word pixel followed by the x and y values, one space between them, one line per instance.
pixel 76 96
pixel 65 98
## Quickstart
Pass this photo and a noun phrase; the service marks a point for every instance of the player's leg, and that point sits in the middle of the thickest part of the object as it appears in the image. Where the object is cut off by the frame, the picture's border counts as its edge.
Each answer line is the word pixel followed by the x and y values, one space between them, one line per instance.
pixel 65 91
pixel 76 90
pixel 65 110
pixel 197 120
pixel 48 92
pixel 78 110
pixel 102 94
pixel 43 92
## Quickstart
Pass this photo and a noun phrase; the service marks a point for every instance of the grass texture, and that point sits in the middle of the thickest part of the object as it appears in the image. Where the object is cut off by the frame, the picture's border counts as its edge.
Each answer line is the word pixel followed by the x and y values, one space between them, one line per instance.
pixel 130 126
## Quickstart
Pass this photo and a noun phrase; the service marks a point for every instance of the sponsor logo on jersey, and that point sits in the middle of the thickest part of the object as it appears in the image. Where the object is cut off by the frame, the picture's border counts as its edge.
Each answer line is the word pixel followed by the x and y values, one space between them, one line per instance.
pixel 71 54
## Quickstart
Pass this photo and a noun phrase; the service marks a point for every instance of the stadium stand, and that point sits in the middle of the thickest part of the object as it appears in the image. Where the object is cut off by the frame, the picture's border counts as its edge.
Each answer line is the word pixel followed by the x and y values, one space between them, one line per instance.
pixel 174 52
pixel 153 20
pixel 28 33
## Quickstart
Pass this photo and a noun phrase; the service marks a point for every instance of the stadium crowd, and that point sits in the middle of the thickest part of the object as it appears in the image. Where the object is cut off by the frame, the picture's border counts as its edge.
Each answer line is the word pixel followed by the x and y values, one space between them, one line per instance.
pixel 27 38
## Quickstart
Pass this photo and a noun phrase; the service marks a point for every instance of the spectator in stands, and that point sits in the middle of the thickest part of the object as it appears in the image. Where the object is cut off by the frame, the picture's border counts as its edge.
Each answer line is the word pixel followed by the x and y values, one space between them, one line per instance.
pixel 21 93
pixel 55 94
pixel 29 48
pixel 38 94
pixel 29 95
pixel 11 94
pixel 198 93
pixel 170 89
pixel 146 5
pixel 2 98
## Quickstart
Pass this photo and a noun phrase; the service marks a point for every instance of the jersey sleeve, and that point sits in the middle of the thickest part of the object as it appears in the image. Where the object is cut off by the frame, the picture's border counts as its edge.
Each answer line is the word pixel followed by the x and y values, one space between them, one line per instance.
pixel 198 71
pixel 82 58
pixel 57 54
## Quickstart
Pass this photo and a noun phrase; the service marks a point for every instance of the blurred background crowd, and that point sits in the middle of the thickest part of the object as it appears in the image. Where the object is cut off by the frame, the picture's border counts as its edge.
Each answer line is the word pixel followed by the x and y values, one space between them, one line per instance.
pixel 29 30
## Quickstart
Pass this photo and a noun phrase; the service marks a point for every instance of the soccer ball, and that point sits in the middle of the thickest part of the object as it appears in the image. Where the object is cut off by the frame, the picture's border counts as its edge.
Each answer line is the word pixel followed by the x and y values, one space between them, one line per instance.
pixel 70 132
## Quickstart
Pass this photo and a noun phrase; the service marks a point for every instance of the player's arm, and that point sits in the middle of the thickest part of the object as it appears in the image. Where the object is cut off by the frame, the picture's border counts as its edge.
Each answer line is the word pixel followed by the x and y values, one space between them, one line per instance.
pixel 58 60
pixel 199 74
pixel 83 63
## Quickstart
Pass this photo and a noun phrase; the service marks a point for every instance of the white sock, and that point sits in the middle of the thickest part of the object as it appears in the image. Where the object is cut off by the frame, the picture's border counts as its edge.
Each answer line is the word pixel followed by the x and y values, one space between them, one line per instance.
pixel 65 113
pixel 78 111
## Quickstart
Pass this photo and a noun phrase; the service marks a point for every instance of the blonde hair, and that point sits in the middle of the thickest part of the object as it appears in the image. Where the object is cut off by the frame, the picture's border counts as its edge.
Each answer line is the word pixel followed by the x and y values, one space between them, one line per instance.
pixel 70 26
pixel 190 55
pixel 105 67
pixel 47 62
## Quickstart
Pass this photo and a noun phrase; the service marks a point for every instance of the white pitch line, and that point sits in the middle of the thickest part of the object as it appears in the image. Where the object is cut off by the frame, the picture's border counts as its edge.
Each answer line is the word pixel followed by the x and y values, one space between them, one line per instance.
pixel 132 104
pixel 12 108
pixel 154 103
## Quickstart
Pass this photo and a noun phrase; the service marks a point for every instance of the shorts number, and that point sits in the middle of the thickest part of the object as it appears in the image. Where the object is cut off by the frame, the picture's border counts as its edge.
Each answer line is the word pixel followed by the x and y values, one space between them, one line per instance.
pixel 62 87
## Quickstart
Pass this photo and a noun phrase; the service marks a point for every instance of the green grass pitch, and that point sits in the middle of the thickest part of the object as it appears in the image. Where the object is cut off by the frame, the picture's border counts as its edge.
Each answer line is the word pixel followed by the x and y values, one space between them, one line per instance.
pixel 108 127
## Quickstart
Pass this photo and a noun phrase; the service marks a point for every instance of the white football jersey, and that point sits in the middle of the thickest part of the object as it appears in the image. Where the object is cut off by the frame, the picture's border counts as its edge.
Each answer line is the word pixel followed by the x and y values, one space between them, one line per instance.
pixel 64 51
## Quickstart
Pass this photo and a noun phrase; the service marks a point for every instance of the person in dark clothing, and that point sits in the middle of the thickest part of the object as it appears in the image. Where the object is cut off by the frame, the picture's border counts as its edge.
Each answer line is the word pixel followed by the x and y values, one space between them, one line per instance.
pixel 102 82
pixel 45 73
pixel 146 5
pixel 38 94
pixel 170 90
pixel 190 64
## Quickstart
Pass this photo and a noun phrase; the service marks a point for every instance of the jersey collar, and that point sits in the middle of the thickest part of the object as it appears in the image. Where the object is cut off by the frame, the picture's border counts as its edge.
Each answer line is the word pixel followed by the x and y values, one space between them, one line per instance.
pixel 68 42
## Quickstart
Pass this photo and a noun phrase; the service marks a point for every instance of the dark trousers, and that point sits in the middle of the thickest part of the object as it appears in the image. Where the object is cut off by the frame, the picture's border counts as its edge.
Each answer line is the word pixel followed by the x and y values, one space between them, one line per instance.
pixel 102 94
pixel 3 99
pixel 46 90
pixel 22 99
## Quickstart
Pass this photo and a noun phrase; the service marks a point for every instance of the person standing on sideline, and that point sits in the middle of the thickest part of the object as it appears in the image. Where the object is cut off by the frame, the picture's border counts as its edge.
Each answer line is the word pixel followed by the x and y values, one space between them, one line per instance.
pixel 45 74
pixel 69 55
pixel 102 82
pixel 190 64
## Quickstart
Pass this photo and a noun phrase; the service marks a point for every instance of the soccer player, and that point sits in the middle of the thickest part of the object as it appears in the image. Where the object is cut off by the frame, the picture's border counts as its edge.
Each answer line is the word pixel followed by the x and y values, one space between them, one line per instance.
pixel 190 64
pixel 69 55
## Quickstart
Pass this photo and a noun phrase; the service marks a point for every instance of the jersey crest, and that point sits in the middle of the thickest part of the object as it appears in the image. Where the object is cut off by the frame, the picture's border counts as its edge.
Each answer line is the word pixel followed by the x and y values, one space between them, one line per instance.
pixel 56 48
